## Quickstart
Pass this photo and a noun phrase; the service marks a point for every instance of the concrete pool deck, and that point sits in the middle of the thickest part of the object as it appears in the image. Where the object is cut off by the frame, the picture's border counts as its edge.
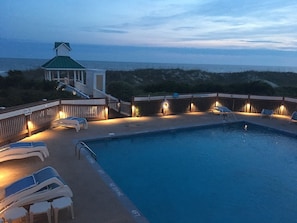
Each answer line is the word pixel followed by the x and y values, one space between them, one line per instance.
pixel 93 200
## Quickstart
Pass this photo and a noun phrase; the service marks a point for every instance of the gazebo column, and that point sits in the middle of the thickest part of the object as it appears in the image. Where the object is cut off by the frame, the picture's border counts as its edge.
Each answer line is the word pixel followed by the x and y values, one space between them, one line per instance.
pixel 82 76
pixel 58 76
pixel 74 76
pixel 49 75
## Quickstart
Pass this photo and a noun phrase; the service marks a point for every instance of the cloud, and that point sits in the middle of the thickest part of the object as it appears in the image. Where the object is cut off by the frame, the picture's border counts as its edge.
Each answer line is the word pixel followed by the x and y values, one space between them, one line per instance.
pixel 268 22
pixel 103 30
pixel 203 24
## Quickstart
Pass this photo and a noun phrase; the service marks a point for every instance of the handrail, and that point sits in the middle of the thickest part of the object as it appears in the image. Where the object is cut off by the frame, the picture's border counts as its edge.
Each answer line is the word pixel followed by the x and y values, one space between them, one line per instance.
pixel 84 146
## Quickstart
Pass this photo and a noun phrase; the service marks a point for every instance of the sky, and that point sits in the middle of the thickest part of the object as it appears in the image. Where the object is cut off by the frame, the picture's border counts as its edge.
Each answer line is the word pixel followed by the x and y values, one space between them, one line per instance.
pixel 248 32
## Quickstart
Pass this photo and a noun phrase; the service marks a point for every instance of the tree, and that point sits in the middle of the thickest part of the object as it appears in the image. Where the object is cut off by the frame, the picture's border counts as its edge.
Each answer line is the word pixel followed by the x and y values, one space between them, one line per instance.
pixel 121 90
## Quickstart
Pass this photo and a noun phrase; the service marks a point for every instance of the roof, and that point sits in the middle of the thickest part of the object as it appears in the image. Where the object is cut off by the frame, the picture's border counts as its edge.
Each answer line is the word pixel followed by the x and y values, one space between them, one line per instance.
pixel 62 63
pixel 57 44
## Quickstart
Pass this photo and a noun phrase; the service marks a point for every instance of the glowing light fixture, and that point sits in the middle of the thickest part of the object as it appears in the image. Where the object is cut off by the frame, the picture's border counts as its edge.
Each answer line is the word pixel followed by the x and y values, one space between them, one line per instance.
pixel 106 112
pixel 30 125
pixel 191 106
pixel 165 105
pixel 62 114
pixel 281 109
pixel 248 107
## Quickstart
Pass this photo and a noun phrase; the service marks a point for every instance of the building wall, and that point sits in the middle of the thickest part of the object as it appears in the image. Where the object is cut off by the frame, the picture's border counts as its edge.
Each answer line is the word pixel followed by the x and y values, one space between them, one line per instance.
pixel 62 50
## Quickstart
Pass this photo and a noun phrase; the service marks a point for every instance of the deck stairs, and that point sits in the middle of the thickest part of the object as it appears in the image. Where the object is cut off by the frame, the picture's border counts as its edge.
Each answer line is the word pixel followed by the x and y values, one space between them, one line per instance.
pixel 121 107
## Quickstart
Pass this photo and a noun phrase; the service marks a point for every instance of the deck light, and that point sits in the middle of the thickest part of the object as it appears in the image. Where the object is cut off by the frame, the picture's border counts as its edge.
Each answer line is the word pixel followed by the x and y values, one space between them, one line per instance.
pixel 248 107
pixel 281 108
pixel 165 106
pixel 62 114
pixel 106 112
pixel 192 106
pixel 133 110
pixel 30 125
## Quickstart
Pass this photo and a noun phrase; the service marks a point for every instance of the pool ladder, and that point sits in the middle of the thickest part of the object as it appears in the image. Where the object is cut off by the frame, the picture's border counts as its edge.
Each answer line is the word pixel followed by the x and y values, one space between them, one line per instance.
pixel 81 145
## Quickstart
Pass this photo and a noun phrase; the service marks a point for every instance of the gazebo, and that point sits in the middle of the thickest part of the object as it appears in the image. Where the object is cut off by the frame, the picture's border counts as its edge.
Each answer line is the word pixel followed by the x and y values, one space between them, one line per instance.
pixel 63 68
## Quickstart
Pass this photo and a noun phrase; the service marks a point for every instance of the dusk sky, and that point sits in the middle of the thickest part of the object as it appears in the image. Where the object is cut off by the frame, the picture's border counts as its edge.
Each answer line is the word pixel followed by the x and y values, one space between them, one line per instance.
pixel 250 32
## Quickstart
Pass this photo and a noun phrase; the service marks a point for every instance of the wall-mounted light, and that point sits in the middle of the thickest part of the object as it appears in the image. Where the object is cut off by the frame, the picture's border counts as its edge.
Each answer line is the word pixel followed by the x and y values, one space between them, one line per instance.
pixel 192 106
pixel 30 125
pixel 133 110
pixel 248 107
pixel 106 112
pixel 165 106
pixel 281 109
pixel 62 114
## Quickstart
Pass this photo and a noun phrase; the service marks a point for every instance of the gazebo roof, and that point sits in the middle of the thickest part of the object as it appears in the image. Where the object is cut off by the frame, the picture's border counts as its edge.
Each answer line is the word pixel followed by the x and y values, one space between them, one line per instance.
pixel 62 63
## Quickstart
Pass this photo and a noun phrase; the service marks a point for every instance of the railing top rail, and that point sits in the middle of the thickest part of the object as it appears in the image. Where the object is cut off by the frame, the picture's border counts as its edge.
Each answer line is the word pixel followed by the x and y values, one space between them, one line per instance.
pixel 93 101
pixel 290 99
pixel 7 113
pixel 272 98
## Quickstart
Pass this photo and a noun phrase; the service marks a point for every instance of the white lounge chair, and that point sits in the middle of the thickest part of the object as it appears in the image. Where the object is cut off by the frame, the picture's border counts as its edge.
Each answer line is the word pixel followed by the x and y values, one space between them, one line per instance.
pixel 221 110
pixel 71 122
pixel 266 113
pixel 294 116
pixel 45 184
pixel 21 150
pixel 224 111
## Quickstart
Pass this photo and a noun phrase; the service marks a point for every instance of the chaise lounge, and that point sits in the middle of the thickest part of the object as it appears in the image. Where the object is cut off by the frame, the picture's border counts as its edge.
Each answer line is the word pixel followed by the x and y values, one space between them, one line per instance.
pixel 21 150
pixel 266 113
pixel 45 184
pixel 221 110
pixel 71 122
pixel 294 117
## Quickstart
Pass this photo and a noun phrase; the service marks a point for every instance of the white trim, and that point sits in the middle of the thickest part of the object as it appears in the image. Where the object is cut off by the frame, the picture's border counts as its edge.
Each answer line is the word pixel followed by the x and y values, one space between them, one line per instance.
pixel 100 101
pixel 28 110
pixel 271 98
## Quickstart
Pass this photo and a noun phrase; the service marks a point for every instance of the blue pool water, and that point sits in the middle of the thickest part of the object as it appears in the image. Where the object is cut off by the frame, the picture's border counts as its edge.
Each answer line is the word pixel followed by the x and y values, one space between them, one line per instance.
pixel 215 174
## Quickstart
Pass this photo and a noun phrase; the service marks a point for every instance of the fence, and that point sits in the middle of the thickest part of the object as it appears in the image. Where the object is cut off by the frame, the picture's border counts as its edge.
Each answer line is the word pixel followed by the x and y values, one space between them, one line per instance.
pixel 19 122
pixel 174 104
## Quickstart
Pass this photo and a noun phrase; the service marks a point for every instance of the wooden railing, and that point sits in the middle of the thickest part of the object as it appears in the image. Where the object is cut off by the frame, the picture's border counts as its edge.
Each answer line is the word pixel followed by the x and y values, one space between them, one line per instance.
pixel 153 105
pixel 19 122
pixel 22 121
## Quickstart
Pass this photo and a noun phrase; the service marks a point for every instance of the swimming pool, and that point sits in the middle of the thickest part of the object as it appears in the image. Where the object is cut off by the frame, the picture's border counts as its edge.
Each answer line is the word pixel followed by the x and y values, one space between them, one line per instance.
pixel 211 174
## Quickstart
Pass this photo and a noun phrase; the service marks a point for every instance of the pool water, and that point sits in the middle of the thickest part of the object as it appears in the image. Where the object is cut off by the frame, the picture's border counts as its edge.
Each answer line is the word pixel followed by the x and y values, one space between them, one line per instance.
pixel 214 174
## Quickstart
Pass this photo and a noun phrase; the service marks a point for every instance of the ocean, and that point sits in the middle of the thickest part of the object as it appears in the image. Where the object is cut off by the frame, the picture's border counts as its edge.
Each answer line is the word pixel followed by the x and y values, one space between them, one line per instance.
pixel 7 64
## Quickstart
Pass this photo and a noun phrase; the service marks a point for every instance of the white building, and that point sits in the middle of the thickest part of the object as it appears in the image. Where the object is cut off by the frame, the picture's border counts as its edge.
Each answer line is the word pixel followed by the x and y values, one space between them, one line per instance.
pixel 68 72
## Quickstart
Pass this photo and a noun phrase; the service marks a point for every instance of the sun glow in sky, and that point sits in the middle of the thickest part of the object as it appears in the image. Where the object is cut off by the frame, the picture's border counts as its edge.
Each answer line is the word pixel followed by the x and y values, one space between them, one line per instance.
pixel 191 27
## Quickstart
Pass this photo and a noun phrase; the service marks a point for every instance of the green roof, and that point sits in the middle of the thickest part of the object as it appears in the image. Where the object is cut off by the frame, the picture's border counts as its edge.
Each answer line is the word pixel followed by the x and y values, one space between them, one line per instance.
pixel 63 63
